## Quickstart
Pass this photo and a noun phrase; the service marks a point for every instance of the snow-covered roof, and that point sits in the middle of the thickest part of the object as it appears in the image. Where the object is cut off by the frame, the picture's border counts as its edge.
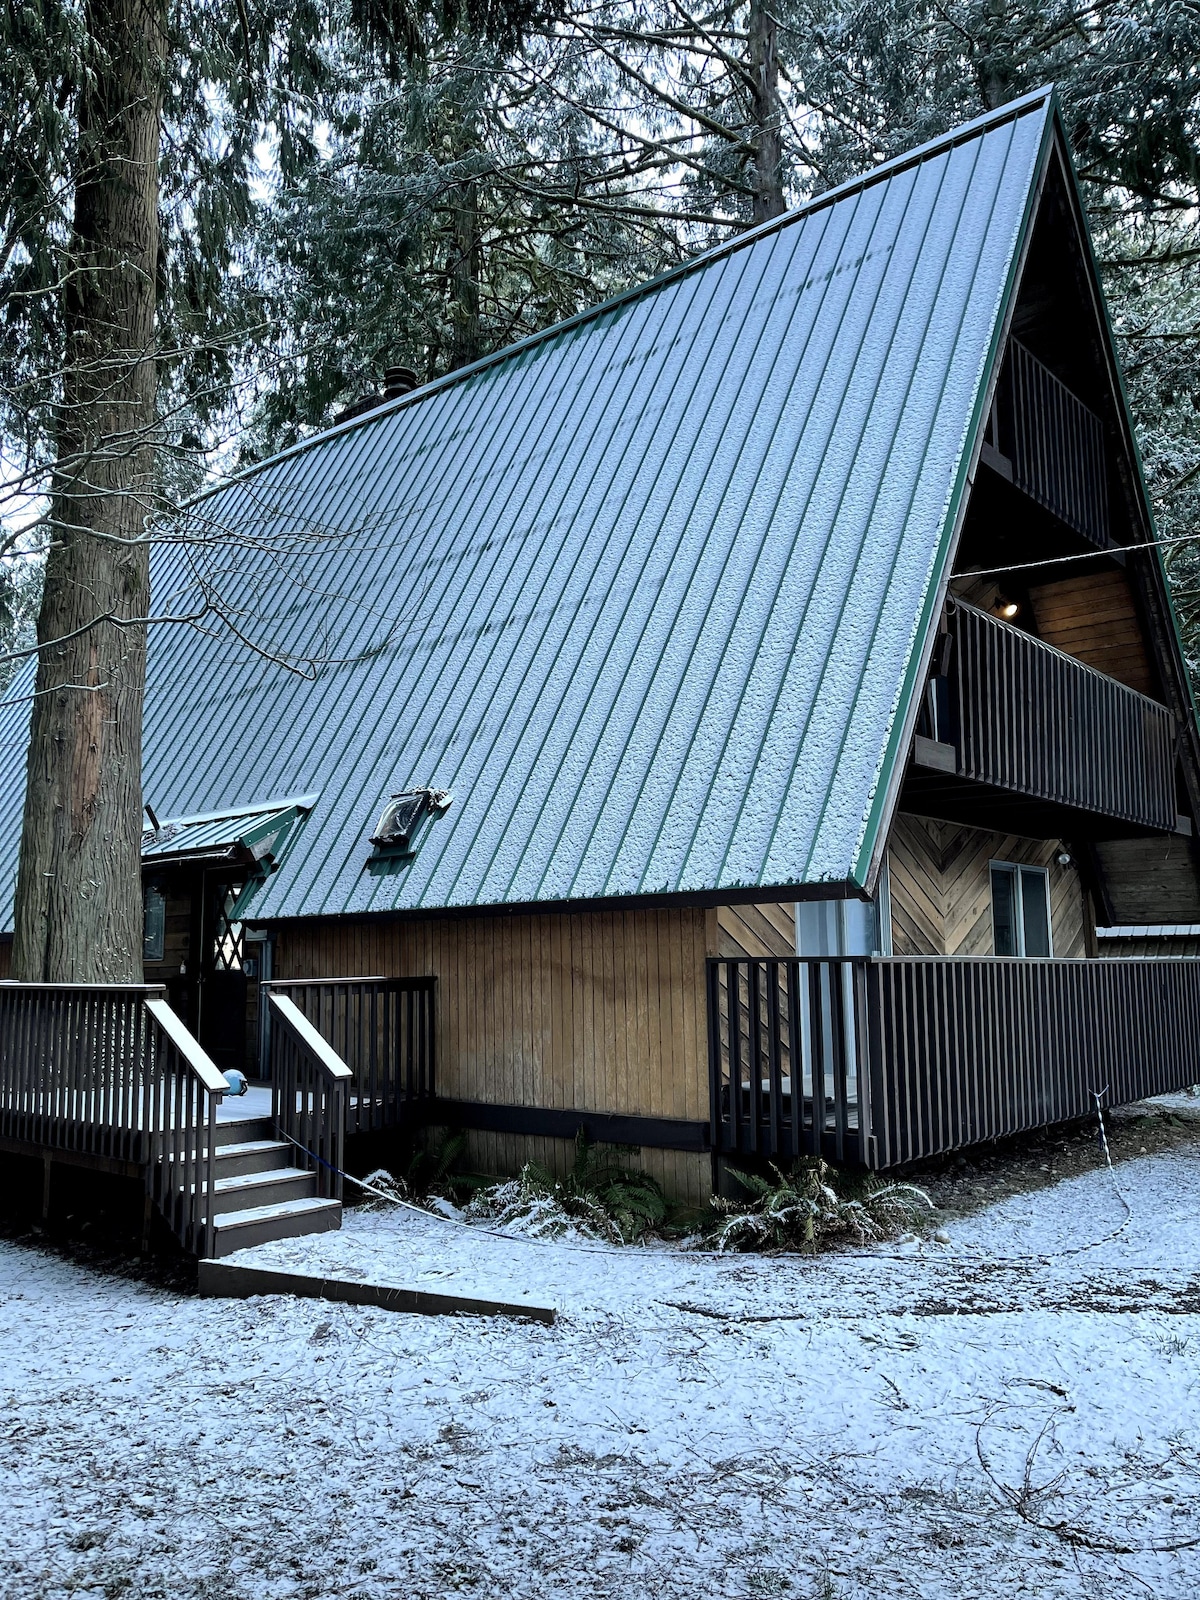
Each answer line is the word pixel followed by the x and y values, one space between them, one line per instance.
pixel 647 594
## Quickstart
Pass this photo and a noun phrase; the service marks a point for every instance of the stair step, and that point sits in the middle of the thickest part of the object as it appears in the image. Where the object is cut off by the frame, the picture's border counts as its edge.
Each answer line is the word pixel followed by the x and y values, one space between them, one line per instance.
pixel 240 1230
pixel 245 1189
pixel 253 1155
pixel 241 1130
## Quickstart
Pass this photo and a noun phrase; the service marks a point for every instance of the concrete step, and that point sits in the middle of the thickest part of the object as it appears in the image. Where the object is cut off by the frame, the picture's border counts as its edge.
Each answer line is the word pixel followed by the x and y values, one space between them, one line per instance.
pixel 253 1155
pixel 239 1230
pixel 248 1189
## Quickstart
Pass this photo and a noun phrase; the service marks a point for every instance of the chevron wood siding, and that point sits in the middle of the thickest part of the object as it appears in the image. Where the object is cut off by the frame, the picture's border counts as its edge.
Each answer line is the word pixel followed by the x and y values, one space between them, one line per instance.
pixel 603 1012
pixel 768 930
pixel 942 897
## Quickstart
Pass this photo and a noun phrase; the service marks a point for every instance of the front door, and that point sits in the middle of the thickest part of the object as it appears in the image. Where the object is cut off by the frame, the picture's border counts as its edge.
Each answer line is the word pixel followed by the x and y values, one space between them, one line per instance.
pixel 223 998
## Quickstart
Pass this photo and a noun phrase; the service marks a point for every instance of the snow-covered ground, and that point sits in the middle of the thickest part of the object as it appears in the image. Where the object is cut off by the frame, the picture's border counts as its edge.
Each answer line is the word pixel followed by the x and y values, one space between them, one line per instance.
pixel 1014 1413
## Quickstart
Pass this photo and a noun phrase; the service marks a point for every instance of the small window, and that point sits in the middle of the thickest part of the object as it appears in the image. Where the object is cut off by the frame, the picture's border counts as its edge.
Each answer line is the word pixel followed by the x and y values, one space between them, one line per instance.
pixel 154 924
pixel 1020 910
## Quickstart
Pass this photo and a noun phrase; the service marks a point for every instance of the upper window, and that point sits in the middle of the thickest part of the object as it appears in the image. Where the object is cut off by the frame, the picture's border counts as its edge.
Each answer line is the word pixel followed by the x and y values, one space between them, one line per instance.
pixel 1020 910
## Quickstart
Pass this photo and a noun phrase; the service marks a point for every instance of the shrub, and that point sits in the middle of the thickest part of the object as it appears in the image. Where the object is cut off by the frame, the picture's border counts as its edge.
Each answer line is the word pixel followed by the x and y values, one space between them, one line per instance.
pixel 599 1198
pixel 428 1177
pixel 813 1206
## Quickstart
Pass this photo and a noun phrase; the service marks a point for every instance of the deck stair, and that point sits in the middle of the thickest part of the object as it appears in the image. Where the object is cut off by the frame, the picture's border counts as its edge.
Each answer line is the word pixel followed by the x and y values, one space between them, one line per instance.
pixel 260 1194
pixel 107 1076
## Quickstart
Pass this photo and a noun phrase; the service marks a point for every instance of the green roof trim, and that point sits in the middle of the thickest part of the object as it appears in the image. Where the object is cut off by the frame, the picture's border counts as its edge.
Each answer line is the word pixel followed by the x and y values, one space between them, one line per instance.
pixel 900 737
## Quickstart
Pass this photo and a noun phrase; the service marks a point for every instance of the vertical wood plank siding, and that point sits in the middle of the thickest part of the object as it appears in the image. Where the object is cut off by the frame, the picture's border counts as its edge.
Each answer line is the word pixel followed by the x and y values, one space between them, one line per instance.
pixel 600 1012
pixel 942 895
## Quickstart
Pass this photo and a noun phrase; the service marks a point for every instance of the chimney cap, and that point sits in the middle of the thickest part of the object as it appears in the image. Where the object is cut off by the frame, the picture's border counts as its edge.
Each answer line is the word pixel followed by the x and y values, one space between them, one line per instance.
pixel 398 381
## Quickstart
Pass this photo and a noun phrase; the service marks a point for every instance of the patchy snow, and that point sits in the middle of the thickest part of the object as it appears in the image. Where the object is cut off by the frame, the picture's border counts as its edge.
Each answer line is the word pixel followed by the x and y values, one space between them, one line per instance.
pixel 1014 1413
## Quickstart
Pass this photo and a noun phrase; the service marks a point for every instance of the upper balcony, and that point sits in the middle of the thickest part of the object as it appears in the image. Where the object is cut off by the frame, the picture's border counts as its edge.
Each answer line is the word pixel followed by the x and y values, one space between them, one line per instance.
pixel 1016 735
pixel 1049 445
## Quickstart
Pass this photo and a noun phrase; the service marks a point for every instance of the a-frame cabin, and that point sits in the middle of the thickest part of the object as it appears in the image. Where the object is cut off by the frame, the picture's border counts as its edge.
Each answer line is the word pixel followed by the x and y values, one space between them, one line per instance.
pixel 725 719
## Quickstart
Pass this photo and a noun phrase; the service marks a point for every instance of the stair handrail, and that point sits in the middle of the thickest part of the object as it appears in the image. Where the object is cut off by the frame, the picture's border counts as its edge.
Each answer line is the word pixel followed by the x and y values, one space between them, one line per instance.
pixel 308 1093
pixel 183 1132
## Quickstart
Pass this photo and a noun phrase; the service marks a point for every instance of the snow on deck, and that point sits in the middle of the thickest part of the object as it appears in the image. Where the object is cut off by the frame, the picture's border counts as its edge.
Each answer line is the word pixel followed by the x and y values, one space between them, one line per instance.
pixel 910 1422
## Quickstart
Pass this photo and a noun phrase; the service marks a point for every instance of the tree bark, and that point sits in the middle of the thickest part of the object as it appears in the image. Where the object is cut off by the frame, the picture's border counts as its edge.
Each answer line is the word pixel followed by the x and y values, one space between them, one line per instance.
pixel 465 268
pixel 79 898
pixel 765 115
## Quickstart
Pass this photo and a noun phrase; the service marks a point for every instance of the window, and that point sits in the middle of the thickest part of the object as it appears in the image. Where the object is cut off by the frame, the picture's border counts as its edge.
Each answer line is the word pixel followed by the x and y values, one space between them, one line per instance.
pixel 154 925
pixel 228 946
pixel 846 927
pixel 1020 910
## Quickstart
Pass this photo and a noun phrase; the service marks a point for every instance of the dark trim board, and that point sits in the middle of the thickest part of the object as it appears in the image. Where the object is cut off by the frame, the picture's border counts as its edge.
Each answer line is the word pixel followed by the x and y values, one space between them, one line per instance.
pixel 657 1133
pixel 228 1280
pixel 701 899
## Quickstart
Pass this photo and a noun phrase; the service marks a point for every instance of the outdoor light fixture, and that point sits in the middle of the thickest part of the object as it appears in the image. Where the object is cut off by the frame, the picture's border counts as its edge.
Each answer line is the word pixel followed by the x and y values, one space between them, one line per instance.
pixel 1007 609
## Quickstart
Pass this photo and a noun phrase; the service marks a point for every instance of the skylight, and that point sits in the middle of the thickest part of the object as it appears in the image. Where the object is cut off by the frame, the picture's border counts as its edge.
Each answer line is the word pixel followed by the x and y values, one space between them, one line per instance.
pixel 403 816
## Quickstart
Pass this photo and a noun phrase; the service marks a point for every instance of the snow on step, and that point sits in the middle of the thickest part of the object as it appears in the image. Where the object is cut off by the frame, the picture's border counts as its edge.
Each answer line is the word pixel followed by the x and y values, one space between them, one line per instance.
pixel 285 1219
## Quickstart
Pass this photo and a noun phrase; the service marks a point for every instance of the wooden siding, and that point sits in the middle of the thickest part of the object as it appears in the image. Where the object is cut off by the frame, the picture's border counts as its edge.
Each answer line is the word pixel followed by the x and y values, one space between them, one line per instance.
pixel 1094 617
pixel 767 930
pixel 5 957
pixel 601 1012
pixel 942 896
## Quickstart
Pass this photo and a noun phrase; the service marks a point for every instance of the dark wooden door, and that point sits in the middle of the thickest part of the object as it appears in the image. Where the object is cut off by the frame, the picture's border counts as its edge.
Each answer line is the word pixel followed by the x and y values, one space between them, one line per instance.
pixel 223 984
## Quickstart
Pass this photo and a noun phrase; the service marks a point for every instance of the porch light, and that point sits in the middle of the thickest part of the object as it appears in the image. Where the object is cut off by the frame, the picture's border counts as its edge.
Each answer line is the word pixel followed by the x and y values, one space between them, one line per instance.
pixel 1007 609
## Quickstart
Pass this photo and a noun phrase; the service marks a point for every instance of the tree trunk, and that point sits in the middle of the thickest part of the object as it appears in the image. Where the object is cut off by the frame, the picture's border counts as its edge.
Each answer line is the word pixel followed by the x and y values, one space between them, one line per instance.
pixel 465 268
pixel 765 116
pixel 79 898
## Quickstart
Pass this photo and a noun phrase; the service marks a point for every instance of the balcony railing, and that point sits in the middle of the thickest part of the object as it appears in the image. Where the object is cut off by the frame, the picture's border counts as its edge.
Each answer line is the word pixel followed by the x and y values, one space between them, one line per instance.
pixel 1053 445
pixel 888 1060
pixel 382 1028
pixel 1024 717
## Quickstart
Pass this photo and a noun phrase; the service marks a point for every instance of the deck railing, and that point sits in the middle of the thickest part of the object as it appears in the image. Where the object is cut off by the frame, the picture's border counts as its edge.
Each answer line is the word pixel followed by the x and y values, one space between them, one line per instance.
pixel 383 1028
pixel 905 1057
pixel 1037 722
pixel 783 1054
pixel 109 1072
pixel 1056 445
pixel 186 1089
pixel 309 1084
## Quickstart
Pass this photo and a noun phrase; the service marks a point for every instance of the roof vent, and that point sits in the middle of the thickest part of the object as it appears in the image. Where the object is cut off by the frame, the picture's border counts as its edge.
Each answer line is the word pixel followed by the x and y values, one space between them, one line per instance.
pixel 398 381
pixel 403 815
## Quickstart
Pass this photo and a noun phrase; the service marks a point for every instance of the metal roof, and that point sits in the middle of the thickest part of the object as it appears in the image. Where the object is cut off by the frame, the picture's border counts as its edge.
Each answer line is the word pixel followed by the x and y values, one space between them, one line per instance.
pixel 646 593
pixel 259 834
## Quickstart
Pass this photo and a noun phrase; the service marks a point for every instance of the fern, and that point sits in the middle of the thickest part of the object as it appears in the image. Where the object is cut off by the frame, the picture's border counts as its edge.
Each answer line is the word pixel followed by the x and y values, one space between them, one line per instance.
pixel 804 1210
pixel 599 1197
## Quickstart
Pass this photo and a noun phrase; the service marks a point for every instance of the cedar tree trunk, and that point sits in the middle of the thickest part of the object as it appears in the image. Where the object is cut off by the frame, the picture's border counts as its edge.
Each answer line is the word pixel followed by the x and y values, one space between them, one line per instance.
pixel 79 900
pixel 765 115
